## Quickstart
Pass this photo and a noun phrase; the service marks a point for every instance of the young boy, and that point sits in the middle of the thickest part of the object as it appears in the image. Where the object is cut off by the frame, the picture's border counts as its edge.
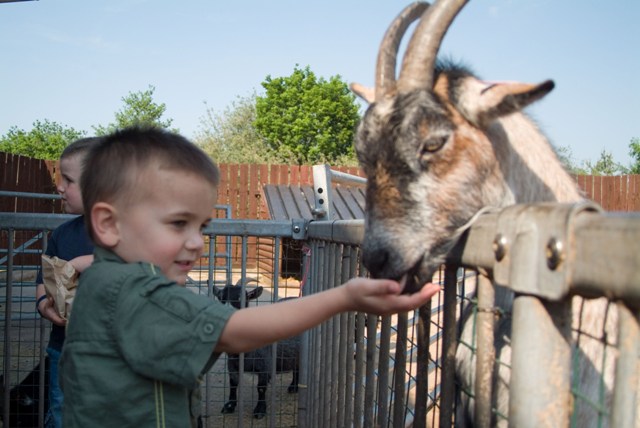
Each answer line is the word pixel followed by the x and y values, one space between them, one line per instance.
pixel 68 242
pixel 138 342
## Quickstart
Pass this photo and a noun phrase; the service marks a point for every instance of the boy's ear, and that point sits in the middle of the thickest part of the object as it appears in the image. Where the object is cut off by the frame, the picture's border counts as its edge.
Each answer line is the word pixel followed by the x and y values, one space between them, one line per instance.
pixel 104 219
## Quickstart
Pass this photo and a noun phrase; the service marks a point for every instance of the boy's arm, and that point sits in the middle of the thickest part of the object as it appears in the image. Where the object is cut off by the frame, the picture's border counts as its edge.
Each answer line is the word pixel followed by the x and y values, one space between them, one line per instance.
pixel 80 263
pixel 45 307
pixel 257 326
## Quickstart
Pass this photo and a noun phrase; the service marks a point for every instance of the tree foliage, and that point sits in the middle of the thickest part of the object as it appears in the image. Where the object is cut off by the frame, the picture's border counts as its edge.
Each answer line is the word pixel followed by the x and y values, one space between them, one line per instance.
pixel 230 137
pixel 605 165
pixel 305 119
pixel 139 109
pixel 634 152
pixel 46 140
pixel 565 156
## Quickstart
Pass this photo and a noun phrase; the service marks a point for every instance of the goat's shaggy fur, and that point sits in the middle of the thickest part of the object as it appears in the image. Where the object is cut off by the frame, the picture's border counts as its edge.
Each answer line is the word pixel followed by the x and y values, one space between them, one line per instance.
pixel 437 152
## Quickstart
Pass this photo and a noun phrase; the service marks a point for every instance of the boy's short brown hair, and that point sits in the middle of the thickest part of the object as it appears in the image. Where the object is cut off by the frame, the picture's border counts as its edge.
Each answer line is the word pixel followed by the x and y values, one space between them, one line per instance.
pixel 79 146
pixel 114 165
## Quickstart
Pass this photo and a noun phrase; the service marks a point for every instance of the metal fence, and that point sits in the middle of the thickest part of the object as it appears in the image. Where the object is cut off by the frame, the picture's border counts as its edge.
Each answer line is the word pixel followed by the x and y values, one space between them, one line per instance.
pixel 360 370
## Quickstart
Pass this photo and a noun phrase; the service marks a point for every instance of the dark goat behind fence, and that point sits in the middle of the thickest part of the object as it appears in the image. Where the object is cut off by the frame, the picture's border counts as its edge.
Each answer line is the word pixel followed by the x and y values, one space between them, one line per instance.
pixel 24 398
pixel 259 361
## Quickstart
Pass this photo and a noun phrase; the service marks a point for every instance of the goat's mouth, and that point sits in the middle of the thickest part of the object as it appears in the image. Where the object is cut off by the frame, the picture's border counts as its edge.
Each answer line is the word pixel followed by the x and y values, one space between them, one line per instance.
pixel 417 276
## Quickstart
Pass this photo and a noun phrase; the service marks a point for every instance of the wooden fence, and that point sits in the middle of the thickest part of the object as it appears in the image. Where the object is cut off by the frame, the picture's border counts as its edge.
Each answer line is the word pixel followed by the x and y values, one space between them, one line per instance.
pixel 241 186
pixel 23 174
pixel 614 193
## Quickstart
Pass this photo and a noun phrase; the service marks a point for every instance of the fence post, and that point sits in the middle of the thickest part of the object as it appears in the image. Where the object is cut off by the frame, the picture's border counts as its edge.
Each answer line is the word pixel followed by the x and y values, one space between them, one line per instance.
pixel 486 353
pixel 625 393
pixel 541 363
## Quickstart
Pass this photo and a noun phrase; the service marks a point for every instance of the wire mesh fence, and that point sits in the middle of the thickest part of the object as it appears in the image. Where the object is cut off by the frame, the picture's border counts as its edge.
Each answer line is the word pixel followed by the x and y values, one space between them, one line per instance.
pixel 406 370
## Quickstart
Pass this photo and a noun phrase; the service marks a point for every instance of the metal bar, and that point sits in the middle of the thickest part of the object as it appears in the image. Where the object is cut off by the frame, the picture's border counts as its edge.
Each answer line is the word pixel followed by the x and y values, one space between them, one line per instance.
pixel 12 194
pixel 370 382
pixel 274 347
pixel 359 375
pixel 44 328
pixel 343 335
pixel 232 227
pixel 305 343
pixel 351 340
pixel 383 371
pixel 400 371
pixel 447 380
pixel 540 365
pixel 600 256
pixel 243 303
pixel 422 371
pixel 348 232
pixel 485 356
pixel 343 177
pixel 7 328
pixel 625 392
pixel 30 221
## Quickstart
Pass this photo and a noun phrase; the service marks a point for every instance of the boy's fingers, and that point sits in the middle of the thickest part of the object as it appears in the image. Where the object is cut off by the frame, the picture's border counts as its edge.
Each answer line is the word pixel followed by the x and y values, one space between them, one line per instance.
pixel 424 294
pixel 430 289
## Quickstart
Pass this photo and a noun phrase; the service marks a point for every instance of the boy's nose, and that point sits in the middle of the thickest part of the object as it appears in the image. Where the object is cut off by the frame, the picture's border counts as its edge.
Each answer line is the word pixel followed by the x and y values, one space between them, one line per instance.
pixel 195 242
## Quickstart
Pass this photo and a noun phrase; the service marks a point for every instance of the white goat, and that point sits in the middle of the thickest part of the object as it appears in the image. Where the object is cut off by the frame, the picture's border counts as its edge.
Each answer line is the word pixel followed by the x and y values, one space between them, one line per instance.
pixel 438 145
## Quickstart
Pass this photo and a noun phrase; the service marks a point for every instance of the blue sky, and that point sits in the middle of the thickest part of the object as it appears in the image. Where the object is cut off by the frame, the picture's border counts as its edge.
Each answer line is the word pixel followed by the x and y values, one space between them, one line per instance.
pixel 72 61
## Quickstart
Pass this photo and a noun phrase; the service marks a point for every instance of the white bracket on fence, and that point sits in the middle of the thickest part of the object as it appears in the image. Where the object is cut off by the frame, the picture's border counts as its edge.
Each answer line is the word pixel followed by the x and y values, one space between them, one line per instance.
pixel 322 192
pixel 323 176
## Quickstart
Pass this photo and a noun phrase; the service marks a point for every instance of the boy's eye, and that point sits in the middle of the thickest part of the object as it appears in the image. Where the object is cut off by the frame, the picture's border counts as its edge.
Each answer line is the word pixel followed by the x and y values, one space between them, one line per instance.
pixel 179 223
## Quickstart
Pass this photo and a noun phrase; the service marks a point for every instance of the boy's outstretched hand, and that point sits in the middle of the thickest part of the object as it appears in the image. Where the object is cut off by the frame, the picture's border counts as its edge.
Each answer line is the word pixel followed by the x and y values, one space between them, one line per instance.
pixel 382 296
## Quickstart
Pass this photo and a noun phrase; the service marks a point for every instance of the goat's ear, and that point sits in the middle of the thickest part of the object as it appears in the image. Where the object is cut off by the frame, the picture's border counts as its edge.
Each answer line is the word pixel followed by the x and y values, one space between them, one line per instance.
pixel 366 93
pixel 255 293
pixel 483 102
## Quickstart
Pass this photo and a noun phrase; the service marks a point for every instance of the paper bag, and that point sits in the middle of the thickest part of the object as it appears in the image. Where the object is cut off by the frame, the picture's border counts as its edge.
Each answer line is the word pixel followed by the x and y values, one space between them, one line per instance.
pixel 60 281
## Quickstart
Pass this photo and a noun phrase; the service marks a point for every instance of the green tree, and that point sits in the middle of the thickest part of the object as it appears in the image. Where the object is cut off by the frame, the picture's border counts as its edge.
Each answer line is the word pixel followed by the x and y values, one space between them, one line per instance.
pixel 605 166
pixel 307 119
pixel 46 140
pixel 565 156
pixel 230 137
pixel 634 152
pixel 139 109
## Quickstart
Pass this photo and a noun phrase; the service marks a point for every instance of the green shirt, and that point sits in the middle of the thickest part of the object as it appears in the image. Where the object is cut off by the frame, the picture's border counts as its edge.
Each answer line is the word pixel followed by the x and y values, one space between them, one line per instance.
pixel 137 347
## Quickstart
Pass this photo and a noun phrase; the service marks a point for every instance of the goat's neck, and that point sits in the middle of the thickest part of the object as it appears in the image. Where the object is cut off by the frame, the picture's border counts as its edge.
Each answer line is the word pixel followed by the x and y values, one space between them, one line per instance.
pixel 531 169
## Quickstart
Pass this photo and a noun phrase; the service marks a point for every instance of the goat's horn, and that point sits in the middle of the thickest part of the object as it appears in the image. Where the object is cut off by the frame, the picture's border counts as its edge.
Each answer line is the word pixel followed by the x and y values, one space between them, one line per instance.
pixel 419 60
pixel 386 66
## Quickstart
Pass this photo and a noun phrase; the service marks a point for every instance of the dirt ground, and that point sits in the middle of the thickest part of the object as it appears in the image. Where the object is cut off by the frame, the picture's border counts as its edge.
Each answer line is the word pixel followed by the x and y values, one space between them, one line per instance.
pixel 285 411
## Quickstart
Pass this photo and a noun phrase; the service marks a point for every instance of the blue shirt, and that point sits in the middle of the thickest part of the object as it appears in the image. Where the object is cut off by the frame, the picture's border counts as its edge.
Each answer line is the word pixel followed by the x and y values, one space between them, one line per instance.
pixel 68 241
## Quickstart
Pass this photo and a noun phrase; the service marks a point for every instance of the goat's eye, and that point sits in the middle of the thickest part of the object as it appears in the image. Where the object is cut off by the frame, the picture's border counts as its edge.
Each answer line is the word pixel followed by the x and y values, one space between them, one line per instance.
pixel 433 144
pixel 429 147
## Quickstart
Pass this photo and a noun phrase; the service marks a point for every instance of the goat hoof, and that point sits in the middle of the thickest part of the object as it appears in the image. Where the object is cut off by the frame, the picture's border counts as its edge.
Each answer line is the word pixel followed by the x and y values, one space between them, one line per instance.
pixel 260 411
pixel 229 407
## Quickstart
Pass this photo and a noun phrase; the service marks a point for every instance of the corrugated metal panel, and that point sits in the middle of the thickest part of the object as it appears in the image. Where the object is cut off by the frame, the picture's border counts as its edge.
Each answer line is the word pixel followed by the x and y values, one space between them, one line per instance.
pixel 292 202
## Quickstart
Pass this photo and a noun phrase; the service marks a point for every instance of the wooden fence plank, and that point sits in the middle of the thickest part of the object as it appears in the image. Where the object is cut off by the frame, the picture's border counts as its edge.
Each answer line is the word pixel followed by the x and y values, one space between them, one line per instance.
pixel 596 188
pixel 241 185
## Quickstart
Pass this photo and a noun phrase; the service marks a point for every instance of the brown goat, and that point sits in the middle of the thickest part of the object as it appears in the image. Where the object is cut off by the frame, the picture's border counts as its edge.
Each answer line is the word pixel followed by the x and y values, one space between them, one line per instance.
pixel 438 145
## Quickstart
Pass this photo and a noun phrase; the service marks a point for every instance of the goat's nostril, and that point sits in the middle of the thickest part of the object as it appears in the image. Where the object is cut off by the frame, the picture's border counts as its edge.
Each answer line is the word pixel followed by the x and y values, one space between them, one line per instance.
pixel 375 261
